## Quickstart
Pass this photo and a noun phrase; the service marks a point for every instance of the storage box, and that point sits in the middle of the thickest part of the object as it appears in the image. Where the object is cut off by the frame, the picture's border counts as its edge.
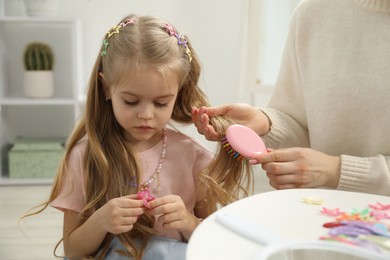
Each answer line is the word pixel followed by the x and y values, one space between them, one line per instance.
pixel 35 158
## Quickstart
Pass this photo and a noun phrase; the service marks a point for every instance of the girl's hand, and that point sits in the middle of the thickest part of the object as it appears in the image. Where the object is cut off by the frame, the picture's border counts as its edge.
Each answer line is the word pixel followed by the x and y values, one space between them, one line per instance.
pixel 300 168
pixel 119 215
pixel 174 214
pixel 243 114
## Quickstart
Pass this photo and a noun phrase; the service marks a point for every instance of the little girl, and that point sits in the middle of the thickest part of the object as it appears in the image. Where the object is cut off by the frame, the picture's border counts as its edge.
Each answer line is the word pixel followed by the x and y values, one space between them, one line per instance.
pixel 131 187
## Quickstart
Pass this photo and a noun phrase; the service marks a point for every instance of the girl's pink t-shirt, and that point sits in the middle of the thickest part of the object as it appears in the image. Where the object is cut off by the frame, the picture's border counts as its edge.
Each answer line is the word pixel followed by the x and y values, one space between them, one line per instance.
pixel 185 158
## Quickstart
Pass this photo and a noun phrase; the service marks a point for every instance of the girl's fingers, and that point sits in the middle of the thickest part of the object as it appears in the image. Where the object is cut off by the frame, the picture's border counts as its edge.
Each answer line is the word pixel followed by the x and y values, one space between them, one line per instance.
pixel 128 220
pixel 133 212
pixel 131 201
pixel 132 196
pixel 165 205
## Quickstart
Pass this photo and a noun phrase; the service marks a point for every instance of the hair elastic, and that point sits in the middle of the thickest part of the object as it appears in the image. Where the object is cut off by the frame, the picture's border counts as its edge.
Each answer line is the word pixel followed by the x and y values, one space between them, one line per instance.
pixel 113 31
pixel 181 40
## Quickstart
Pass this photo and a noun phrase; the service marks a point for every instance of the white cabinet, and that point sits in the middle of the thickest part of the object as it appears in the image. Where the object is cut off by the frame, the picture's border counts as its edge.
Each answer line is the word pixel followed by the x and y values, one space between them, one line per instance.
pixel 38 118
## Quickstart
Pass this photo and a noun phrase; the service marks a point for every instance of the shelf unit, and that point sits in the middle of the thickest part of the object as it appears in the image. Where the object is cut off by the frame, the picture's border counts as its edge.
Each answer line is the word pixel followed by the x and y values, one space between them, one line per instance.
pixel 38 118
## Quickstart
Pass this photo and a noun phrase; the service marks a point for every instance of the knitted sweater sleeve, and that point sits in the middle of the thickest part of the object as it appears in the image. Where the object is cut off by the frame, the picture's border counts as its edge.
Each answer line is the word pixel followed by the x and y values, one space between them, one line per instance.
pixel 365 174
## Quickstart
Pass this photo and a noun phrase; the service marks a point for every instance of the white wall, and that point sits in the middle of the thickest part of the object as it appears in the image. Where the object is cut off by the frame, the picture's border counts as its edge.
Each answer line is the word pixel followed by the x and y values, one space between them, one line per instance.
pixel 269 27
pixel 215 31
pixel 273 36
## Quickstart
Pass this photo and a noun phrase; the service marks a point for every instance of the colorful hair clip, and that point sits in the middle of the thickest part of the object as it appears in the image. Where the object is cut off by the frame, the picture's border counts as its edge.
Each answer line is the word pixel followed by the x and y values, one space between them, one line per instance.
pixel 332 212
pixel 170 29
pixel 127 22
pixel 104 49
pixel 145 196
pixel 379 206
pixel 378 214
pixel 312 201
pixel 346 216
pixel 181 40
pixel 113 31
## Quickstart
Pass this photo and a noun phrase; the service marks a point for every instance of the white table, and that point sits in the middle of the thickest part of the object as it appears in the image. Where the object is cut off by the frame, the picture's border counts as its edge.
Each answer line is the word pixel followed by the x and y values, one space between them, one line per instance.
pixel 282 212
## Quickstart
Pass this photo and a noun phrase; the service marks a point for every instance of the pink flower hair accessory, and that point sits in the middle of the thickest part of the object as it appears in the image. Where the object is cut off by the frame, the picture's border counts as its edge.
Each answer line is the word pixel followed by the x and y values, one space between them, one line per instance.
pixel 145 196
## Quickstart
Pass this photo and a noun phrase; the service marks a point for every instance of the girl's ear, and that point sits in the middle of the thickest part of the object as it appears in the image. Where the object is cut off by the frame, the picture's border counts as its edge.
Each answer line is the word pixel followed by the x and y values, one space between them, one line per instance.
pixel 105 87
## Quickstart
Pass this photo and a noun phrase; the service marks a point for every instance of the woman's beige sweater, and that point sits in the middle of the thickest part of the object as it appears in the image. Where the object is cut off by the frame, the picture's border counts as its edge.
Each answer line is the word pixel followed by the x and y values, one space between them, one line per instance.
pixel 333 90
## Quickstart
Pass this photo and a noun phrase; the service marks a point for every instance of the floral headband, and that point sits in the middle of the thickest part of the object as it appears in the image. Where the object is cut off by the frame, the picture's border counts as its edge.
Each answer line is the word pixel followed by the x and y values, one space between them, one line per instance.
pixel 180 38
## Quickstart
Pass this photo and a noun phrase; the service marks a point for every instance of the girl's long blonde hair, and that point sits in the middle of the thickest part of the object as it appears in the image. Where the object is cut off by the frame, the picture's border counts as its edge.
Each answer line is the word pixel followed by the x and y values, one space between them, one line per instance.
pixel 108 155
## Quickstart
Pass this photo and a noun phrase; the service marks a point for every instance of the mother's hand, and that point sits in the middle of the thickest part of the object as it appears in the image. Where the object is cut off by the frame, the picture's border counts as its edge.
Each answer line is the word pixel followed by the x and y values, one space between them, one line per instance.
pixel 300 168
pixel 240 113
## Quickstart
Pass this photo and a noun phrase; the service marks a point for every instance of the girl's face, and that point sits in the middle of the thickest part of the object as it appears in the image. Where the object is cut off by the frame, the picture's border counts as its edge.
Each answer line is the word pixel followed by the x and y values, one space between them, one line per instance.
pixel 143 104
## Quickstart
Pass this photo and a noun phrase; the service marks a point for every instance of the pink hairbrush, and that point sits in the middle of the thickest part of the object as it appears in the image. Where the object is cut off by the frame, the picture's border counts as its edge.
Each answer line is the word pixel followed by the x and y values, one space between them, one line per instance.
pixel 242 142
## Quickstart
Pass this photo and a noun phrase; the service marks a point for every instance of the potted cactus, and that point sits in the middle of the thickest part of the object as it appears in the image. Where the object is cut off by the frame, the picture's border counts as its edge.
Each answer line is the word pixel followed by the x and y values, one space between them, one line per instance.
pixel 39 77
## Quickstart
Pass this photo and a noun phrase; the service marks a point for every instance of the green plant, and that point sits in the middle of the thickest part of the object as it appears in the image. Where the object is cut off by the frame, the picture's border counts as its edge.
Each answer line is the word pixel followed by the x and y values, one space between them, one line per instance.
pixel 38 56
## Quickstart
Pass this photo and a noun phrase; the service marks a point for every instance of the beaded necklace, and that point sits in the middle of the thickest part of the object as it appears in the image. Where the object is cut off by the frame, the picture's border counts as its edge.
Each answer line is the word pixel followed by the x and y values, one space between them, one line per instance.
pixel 145 186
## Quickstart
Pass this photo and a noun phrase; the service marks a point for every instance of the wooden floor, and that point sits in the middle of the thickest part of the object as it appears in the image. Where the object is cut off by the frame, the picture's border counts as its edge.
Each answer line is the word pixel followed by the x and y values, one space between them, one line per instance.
pixel 36 237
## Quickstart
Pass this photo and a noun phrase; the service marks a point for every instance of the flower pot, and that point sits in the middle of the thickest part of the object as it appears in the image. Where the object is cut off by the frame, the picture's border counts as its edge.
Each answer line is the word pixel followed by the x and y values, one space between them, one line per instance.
pixel 39 84
pixel 41 7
